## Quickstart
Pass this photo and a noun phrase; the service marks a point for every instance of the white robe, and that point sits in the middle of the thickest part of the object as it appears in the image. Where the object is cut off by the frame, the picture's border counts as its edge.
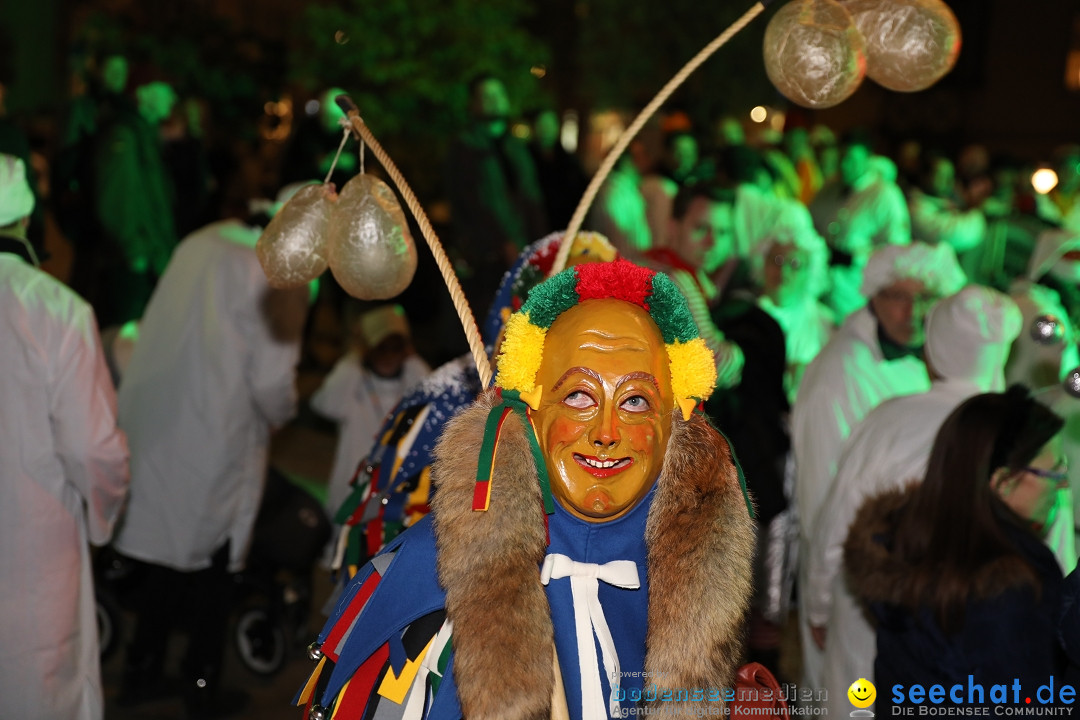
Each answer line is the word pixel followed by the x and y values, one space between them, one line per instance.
pixel 359 400
pixel 63 479
pixel 847 380
pixel 207 382
pixel 888 449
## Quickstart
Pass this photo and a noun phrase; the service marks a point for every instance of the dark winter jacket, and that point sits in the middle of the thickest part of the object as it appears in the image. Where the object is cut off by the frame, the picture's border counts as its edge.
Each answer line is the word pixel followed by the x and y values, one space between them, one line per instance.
pixel 1008 634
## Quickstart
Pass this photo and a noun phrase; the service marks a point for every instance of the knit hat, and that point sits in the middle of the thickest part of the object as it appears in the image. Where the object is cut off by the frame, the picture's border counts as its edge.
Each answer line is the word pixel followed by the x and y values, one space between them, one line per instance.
pixel 968 336
pixel 933 265
pixel 16 197
pixel 382 322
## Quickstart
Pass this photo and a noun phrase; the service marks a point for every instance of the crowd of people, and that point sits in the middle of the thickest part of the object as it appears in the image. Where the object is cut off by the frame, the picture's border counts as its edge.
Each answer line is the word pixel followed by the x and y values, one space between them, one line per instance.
pixel 888 327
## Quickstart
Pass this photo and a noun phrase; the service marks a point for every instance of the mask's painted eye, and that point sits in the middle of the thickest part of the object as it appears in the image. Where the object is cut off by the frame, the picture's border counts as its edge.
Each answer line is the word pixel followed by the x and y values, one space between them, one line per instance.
pixel 636 403
pixel 579 400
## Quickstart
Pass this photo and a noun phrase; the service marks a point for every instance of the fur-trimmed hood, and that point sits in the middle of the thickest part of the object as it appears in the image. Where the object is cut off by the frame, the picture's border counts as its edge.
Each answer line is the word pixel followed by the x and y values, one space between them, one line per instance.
pixel 877 575
pixel 700 544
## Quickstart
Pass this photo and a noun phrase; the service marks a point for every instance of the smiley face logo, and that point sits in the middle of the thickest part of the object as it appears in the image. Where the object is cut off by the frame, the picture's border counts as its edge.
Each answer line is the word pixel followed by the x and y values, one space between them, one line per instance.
pixel 862 693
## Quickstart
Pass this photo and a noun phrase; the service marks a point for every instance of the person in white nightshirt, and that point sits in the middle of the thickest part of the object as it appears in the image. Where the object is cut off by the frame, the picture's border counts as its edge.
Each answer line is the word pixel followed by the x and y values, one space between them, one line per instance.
pixel 363 387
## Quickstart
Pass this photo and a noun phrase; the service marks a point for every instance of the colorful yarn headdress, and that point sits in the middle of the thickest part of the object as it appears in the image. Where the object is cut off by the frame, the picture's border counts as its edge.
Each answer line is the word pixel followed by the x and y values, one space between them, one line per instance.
pixel 693 368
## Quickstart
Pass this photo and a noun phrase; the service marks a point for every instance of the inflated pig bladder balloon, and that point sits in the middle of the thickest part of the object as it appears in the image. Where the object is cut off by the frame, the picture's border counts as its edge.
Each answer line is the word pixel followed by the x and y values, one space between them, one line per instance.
pixel 814 53
pixel 372 254
pixel 293 248
pixel 910 44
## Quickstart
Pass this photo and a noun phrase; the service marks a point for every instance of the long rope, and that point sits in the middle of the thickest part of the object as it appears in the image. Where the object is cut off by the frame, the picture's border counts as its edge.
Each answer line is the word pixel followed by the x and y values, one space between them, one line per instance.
pixel 624 140
pixel 461 305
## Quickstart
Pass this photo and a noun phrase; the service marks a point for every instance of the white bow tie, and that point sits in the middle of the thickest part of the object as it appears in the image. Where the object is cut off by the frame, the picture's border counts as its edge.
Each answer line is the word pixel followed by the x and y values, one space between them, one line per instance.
pixel 589 619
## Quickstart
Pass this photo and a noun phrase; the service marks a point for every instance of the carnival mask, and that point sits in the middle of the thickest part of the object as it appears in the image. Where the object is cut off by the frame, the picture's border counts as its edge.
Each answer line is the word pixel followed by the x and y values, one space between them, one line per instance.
pixel 603 353
pixel 603 425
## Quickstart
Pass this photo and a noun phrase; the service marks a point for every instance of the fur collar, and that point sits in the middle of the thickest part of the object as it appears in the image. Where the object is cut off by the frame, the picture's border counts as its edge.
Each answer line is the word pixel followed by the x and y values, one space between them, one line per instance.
pixel 700 542
pixel 876 575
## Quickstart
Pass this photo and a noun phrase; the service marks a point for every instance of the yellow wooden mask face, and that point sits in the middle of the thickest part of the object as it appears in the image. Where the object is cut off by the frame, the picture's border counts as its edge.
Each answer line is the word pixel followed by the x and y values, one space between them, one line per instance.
pixel 605 409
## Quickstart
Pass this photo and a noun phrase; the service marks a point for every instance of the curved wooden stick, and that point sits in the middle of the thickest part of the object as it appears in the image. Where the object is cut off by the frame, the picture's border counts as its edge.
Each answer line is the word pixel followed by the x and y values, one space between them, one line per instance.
pixel 629 133
pixel 461 305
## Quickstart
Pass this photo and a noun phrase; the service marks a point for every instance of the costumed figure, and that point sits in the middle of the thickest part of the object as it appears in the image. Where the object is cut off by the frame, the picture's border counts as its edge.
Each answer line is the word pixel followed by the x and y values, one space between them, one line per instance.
pixel 63 477
pixel 1051 293
pixel 365 383
pixel 583 513
pixel 860 211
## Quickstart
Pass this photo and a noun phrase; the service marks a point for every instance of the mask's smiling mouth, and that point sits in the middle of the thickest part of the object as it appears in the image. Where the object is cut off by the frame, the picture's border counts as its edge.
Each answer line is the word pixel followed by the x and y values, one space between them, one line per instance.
pixel 602 468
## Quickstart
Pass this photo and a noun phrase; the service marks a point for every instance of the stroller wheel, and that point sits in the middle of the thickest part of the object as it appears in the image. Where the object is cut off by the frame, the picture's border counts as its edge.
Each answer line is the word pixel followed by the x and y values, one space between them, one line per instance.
pixel 108 622
pixel 260 642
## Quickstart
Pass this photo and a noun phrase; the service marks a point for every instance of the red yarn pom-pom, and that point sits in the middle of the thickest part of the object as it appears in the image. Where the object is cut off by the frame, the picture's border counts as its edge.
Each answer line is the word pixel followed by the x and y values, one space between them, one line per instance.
pixel 621 280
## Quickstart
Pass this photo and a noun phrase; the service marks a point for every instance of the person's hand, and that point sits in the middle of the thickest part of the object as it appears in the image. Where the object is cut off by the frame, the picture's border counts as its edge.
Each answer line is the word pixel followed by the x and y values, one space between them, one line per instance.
pixel 818 633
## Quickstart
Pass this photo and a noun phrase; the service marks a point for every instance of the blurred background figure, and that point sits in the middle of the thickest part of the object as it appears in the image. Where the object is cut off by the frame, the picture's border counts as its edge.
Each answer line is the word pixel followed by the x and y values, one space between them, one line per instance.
pixel 798 148
pixel 826 151
pixel 730 131
pixel 749 405
pixel 759 213
pixel 14 141
pixel 620 212
pixel 313 146
pixel 98 92
pixel 701 229
pixel 974 175
pixel 133 201
pixel 857 212
pixel 793 273
pixel 63 477
pixel 365 384
pixel 213 373
pixel 183 137
pixel 681 156
pixel 496 203
pixel 1051 288
pixel 936 213
pixel 954 570
pixel 562 181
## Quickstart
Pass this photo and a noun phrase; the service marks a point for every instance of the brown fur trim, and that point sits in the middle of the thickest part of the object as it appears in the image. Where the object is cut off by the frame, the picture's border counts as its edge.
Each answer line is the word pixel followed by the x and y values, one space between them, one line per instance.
pixel 489 564
pixel 875 574
pixel 701 546
pixel 700 542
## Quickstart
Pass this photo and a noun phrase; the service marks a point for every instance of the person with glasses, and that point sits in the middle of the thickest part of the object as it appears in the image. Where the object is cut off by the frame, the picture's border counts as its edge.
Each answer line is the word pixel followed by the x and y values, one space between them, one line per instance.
pixel 793 275
pixel 954 570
